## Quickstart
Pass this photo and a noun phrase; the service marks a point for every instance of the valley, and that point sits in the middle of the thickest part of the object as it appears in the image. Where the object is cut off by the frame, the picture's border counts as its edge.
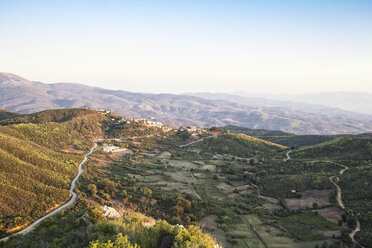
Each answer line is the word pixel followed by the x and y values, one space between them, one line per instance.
pixel 186 124
pixel 243 190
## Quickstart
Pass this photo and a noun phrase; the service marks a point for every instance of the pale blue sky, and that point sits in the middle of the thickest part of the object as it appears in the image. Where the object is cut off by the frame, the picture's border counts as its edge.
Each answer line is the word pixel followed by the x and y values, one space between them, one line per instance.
pixel 190 46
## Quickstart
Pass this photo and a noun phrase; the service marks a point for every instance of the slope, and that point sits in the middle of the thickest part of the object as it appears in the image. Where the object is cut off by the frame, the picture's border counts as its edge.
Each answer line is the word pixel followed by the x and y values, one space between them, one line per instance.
pixel 38 161
pixel 5 114
pixel 283 138
pixel 240 145
pixel 344 147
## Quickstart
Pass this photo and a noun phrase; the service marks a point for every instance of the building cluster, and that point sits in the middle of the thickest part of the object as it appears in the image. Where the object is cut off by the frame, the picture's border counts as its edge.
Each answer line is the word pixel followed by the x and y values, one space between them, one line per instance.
pixel 149 123
pixel 112 148
pixel 192 129
pixel 146 122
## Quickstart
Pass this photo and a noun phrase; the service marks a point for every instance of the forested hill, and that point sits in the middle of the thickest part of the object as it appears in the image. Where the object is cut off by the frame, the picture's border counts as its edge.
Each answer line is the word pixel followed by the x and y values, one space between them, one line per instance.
pixel 55 115
pixel 38 159
pixel 224 181
pixel 5 114
pixel 345 147
pixel 283 138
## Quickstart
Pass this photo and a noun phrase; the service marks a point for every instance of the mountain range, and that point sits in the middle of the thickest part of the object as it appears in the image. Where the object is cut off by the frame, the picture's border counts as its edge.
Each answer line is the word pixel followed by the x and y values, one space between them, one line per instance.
pixel 352 101
pixel 25 96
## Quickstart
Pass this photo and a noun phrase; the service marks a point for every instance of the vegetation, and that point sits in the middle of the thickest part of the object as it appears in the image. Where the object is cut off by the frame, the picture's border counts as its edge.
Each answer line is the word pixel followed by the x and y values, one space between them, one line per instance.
pixel 240 145
pixel 355 147
pixel 134 230
pixel 304 225
pixel 36 171
pixel 5 114
pixel 283 138
pixel 357 196
pixel 55 115
pixel 237 187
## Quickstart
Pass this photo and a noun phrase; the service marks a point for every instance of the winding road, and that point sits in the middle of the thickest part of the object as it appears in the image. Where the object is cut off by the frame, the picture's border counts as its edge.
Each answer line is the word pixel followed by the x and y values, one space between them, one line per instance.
pixel 197 141
pixel 287 154
pixel 64 206
pixel 339 197
pixel 339 200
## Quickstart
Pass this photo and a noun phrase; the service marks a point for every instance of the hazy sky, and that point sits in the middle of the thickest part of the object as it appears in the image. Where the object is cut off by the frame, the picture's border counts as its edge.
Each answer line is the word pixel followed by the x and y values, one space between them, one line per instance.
pixel 189 46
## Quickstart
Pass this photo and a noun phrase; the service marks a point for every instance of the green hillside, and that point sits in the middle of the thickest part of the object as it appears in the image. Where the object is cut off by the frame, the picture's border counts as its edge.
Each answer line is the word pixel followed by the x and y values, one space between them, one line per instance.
pixel 283 138
pixel 240 145
pixel 5 114
pixel 64 231
pixel 35 169
pixel 356 147
pixel 239 188
pixel 257 132
pixel 38 155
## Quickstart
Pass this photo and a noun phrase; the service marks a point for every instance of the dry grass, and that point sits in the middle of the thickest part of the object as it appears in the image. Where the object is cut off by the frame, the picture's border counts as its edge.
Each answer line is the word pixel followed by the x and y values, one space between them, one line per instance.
pixel 331 214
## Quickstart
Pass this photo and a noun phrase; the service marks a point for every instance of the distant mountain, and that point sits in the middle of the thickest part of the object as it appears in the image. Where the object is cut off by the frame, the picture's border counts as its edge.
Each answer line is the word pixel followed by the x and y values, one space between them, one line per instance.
pixel 349 101
pixel 352 101
pixel 261 101
pixel 22 95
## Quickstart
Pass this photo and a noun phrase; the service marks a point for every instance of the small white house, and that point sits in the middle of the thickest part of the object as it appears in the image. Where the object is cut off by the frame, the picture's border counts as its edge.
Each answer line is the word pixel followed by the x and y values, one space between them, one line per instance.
pixel 112 148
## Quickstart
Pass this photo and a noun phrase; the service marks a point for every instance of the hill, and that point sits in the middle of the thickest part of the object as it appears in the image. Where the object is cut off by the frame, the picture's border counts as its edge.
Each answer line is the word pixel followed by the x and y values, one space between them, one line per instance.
pixel 240 145
pixel 25 96
pixel 345 147
pixel 5 114
pixel 283 138
pixel 55 115
pixel 38 159
pixel 237 187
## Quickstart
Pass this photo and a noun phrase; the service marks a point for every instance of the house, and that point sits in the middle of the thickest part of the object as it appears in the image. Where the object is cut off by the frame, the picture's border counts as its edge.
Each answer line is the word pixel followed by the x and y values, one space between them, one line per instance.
pixel 112 148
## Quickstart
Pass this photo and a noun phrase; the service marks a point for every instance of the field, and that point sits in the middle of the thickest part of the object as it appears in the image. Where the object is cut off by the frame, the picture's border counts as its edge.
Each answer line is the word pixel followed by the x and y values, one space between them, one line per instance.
pixel 239 188
pixel 243 201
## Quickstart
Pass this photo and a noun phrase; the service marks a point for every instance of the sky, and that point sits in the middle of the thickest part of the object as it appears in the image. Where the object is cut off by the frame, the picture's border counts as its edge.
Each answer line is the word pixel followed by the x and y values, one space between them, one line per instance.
pixel 173 46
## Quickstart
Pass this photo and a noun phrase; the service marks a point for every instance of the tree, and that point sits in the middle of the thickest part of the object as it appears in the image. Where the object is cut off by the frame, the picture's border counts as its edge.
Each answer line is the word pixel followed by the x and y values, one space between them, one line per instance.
pixel 124 193
pixel 147 192
pixel 120 242
pixel 185 204
pixel 96 215
pixel 92 189
pixel 177 210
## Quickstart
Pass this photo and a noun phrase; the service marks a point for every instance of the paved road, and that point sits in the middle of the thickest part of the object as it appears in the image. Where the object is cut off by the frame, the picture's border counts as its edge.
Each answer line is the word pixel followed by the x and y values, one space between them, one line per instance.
pixel 64 206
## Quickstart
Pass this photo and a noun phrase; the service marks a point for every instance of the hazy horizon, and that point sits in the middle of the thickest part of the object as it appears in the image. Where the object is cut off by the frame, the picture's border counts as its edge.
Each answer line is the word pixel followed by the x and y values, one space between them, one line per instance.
pixel 276 47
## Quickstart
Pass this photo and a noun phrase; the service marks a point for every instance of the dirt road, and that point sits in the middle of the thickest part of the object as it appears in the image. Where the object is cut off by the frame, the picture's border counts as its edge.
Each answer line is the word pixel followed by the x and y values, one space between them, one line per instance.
pixel 340 202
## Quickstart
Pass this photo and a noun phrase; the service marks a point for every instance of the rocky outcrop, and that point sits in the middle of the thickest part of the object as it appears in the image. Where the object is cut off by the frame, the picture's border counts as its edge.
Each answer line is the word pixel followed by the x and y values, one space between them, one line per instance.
pixel 110 212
